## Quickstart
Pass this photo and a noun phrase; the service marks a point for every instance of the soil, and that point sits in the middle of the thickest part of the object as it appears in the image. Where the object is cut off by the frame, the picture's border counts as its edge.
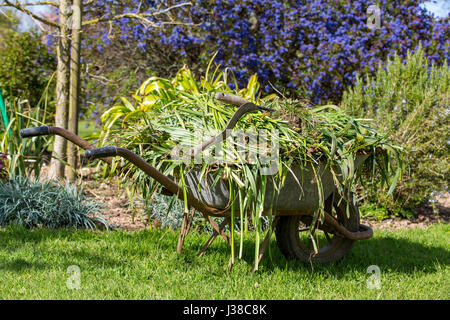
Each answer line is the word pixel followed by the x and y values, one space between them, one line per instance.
pixel 118 210
pixel 423 217
pixel 122 214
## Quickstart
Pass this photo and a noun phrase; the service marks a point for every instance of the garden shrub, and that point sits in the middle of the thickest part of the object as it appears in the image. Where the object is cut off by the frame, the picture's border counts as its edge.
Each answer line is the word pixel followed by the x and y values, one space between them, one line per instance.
pixel 411 102
pixel 35 204
pixel 168 212
pixel 315 48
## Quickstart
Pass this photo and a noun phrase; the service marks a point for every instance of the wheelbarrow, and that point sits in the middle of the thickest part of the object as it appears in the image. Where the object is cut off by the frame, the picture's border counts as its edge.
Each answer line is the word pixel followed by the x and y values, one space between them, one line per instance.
pixel 339 228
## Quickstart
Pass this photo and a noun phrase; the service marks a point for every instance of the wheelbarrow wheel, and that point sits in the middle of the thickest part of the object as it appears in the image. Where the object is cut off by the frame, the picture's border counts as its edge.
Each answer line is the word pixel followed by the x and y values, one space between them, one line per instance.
pixel 294 241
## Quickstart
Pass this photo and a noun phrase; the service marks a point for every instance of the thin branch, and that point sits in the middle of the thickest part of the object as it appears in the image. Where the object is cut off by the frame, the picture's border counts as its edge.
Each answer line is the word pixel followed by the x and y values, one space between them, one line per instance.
pixel 20 7
pixel 117 17
pixel 139 16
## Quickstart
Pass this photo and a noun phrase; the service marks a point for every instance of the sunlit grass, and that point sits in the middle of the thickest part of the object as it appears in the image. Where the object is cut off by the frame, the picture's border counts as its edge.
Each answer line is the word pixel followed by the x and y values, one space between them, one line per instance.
pixel 414 264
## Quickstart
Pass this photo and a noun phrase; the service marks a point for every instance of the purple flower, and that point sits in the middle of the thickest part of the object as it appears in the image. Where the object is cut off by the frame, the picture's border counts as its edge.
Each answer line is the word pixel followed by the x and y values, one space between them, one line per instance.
pixel 316 46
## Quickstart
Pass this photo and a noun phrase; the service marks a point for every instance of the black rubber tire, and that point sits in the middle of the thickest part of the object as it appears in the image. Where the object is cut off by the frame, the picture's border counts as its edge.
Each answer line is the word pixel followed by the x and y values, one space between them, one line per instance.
pixel 283 237
pixel 289 243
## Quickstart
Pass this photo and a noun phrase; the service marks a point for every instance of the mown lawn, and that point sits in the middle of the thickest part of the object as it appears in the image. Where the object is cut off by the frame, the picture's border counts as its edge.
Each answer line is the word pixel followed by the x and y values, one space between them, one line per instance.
pixel 414 264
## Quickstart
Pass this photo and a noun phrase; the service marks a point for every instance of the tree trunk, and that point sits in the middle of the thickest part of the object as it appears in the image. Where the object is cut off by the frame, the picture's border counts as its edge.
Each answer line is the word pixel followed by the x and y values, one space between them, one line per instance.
pixel 62 89
pixel 74 85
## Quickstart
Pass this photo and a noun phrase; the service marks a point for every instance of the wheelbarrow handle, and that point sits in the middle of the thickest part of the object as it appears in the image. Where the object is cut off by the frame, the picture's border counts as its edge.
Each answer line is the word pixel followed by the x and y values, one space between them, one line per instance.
pixel 101 153
pixel 34 132
pixel 239 102
pixel 244 107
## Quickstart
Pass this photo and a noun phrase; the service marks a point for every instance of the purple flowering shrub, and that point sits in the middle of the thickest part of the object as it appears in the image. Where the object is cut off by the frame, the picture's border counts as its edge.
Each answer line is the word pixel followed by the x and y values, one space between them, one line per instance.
pixel 313 48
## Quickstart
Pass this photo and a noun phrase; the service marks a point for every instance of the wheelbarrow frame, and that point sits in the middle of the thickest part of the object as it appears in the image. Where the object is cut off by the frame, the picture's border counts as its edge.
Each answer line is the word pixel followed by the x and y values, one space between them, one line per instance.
pixel 170 187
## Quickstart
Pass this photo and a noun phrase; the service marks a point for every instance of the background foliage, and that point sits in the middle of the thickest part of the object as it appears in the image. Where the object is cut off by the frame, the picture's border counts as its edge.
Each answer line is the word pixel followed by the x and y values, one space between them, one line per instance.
pixel 26 156
pixel 3 172
pixel 311 48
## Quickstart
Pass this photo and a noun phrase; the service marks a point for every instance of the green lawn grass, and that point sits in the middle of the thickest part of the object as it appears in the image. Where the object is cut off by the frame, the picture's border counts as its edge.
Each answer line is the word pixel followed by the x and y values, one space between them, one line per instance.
pixel 414 264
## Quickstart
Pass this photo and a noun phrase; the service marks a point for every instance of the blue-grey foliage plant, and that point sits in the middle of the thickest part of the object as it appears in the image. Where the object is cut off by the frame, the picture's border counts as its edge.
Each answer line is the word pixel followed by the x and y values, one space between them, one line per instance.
pixel 47 204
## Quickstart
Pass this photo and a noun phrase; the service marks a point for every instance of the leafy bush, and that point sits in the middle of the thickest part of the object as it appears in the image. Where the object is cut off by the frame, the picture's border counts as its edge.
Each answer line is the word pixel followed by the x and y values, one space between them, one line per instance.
pixel 34 204
pixel 313 47
pixel 3 172
pixel 409 101
pixel 168 211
